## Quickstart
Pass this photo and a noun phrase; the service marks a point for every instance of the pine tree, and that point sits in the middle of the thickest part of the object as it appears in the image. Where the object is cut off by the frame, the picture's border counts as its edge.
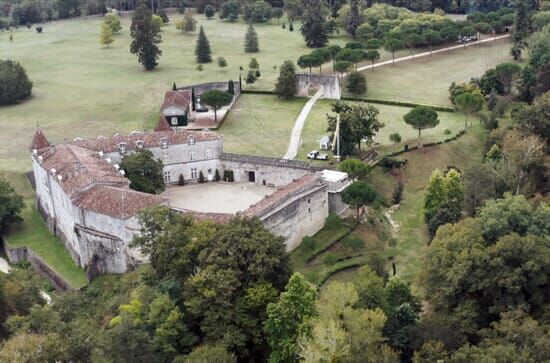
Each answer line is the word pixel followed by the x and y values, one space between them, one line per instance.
pixel 314 27
pixel 286 83
pixel 146 36
pixel 202 50
pixel 251 40
pixel 521 28
pixel 106 37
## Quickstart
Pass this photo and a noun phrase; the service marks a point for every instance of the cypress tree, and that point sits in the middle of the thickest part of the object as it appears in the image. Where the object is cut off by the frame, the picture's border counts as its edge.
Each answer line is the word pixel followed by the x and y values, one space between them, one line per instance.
pixel 193 99
pixel 174 88
pixel 521 28
pixel 231 87
pixel 354 19
pixel 146 35
pixel 286 83
pixel 251 40
pixel 202 51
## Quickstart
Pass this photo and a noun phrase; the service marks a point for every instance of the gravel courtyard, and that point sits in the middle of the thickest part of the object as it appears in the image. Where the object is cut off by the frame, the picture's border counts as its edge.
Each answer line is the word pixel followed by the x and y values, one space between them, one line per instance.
pixel 216 197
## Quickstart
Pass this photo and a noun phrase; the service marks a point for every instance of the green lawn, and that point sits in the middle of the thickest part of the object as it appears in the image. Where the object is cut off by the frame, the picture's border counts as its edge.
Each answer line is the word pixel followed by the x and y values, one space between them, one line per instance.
pixel 260 125
pixel 82 89
pixel 413 235
pixel 427 80
pixel 391 116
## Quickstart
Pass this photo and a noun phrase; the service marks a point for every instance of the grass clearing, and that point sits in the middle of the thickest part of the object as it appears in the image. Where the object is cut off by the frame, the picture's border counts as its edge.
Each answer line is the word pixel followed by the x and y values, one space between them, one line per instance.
pixel 392 117
pixel 427 80
pixel 260 125
pixel 413 235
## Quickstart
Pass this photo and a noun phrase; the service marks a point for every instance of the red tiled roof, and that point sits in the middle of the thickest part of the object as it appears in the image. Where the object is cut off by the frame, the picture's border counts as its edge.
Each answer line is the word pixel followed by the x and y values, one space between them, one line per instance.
pixel 179 98
pixel 150 139
pixel 163 124
pixel 120 203
pixel 39 141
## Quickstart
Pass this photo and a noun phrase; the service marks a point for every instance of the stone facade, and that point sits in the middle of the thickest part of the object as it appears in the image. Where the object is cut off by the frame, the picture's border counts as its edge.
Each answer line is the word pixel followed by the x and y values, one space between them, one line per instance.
pixel 330 85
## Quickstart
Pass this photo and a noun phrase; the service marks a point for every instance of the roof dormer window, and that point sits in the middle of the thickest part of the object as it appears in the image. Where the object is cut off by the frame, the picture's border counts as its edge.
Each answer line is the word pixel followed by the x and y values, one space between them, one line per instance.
pixel 191 140
pixel 139 144
pixel 122 147
pixel 164 143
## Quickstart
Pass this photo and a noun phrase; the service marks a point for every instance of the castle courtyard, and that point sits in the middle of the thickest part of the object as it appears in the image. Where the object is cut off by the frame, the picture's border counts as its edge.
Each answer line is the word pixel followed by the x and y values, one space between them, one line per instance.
pixel 215 197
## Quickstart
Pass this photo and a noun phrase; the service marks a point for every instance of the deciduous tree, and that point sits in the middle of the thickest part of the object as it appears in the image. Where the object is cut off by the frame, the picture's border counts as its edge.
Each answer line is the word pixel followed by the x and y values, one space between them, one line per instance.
pixel 421 118
pixel 145 173
pixel 216 99
pixel 145 37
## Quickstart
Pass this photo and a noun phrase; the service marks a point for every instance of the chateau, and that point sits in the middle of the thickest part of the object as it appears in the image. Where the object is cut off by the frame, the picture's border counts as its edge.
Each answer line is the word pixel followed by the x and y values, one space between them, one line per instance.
pixel 85 199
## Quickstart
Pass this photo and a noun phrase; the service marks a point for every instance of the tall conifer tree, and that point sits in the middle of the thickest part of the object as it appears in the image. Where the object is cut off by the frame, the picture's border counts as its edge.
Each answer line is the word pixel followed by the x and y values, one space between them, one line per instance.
pixel 251 40
pixel 202 51
pixel 146 35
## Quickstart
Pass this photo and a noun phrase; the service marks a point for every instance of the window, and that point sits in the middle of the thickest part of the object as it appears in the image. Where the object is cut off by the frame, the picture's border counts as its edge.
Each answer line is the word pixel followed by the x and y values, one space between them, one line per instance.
pixel 193 173
pixel 164 143
pixel 167 177
pixel 174 121
pixel 208 154
pixel 192 155
pixel 122 147
pixel 165 157
pixel 139 144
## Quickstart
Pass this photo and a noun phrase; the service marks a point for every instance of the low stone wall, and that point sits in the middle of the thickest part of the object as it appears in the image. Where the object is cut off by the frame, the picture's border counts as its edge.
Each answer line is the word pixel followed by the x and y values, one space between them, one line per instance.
pixel 330 85
pixel 209 86
pixel 18 254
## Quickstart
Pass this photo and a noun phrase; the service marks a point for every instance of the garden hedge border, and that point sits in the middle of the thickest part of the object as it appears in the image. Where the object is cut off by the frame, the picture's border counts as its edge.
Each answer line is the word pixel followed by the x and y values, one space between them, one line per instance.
pixel 257 92
pixel 397 103
pixel 330 273
pixel 406 150
pixel 320 251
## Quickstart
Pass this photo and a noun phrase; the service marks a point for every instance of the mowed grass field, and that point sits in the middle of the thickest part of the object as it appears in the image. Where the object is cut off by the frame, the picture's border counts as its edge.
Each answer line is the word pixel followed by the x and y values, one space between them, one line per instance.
pixel 392 117
pixel 82 89
pixel 260 125
pixel 427 80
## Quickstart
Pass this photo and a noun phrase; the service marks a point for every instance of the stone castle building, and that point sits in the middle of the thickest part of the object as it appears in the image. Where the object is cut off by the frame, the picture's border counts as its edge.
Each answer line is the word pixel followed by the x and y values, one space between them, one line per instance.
pixel 83 196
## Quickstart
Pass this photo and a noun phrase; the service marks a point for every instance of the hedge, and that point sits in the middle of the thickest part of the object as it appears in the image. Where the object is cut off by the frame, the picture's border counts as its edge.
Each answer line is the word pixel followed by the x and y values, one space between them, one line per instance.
pixel 257 92
pixel 407 149
pixel 397 103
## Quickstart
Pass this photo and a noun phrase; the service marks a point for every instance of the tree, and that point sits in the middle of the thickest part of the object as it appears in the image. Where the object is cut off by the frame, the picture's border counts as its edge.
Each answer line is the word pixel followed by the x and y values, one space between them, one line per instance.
pixel 251 40
pixel 364 32
pixel 250 77
pixel 357 83
pixel 354 18
pixel 209 11
pixel 306 61
pixel 522 25
pixel 393 44
pixel 106 36
pixel 358 195
pixel 314 27
pixel 293 9
pixel 357 124
pixel 506 72
pixel 480 185
pixel 253 64
pixel 157 20
pixel 257 12
pixel 341 66
pixel 355 168
pixel 536 117
pixel 188 24
pixel 443 199
pixel 372 55
pixel 210 353
pixel 202 49
pixel 469 103
pixel 11 204
pixel 145 173
pixel 230 10
pixel 431 37
pixel 421 117
pixel 113 21
pixel 216 99
pixel 145 37
pixel 246 265
pixel 222 63
pixel 289 318
pixel 286 82
pixel 412 40
pixel 15 85
pixel 489 82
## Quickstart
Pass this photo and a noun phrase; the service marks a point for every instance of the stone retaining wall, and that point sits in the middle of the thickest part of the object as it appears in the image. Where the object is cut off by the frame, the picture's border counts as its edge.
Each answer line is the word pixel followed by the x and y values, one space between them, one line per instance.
pixel 18 254
pixel 330 85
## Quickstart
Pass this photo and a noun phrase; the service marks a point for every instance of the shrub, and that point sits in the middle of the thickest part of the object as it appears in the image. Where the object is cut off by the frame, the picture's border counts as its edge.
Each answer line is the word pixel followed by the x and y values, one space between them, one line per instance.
pixel 39 29
pixel 447 132
pixel 284 26
pixel 333 221
pixel 181 181
pixel 217 175
pixel 387 162
pixel 395 137
pixel 357 83
pixel 330 259
pixel 291 27
pixel 15 86
pixel 201 177
pixel 353 242
pixel 500 106
pixel 397 193
pixel 489 121
pixel 308 244
pixel 257 12
pixel 209 11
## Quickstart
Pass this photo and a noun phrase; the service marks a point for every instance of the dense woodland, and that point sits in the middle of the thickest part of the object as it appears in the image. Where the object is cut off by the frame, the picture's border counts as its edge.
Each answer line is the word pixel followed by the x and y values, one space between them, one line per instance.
pixel 227 292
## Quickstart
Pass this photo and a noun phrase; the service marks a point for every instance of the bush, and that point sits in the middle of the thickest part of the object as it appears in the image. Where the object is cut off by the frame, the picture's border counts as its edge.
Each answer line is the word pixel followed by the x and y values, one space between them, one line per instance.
pixel 201 177
pixel 217 175
pixel 291 27
pixel 39 29
pixel 500 106
pixel 447 132
pixel 308 244
pixel 489 121
pixel 333 221
pixel 181 181
pixel 357 83
pixel 353 242
pixel 395 137
pixel 397 193
pixel 387 162
pixel 15 86
pixel 209 11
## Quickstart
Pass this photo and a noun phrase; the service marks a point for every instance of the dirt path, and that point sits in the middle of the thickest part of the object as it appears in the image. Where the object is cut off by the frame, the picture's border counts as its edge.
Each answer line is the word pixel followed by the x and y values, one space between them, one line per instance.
pixel 427 54
pixel 296 135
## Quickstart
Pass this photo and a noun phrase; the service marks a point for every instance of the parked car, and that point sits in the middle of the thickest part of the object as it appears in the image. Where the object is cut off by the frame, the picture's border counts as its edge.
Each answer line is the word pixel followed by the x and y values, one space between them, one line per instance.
pixel 316 155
